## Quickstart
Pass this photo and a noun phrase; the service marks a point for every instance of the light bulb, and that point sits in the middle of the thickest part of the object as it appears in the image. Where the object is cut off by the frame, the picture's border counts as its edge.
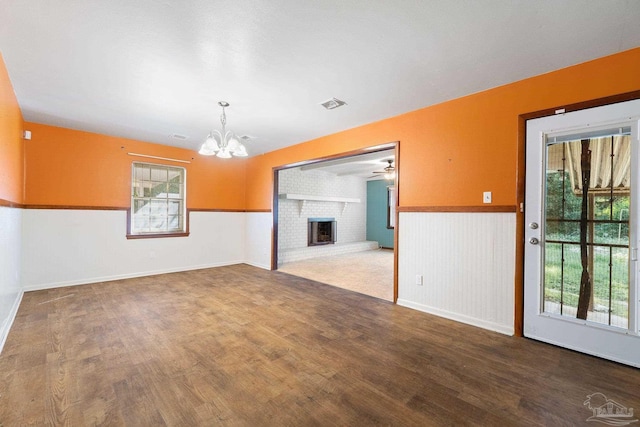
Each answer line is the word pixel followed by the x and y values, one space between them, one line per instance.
pixel 240 151
pixel 224 153
pixel 209 147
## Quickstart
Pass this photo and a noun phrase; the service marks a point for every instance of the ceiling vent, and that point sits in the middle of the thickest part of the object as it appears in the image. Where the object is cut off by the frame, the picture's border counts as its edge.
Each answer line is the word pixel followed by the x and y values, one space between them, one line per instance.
pixel 333 103
pixel 178 136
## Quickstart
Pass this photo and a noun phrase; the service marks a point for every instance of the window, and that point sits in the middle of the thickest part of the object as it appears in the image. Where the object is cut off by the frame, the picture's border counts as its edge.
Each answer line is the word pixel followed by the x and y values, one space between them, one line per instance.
pixel 588 199
pixel 157 201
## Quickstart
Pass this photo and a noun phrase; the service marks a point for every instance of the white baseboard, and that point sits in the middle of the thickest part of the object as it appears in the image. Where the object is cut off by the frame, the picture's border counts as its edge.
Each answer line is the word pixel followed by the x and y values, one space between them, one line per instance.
pixel 258 265
pixel 87 281
pixel 492 326
pixel 6 327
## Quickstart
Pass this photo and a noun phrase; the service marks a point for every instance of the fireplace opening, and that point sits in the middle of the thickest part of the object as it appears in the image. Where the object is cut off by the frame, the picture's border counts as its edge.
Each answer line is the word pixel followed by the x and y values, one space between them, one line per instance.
pixel 322 231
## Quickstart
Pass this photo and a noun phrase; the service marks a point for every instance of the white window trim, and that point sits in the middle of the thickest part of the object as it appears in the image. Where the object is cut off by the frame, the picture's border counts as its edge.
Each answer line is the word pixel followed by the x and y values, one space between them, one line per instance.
pixel 184 231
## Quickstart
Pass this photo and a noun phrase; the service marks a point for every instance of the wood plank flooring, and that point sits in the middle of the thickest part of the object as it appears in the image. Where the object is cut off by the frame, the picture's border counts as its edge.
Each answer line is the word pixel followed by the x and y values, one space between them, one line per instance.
pixel 241 346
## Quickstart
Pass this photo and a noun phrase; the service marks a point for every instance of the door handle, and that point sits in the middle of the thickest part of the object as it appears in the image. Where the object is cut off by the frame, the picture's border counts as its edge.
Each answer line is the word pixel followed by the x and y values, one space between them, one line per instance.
pixel 534 241
pixel 533 225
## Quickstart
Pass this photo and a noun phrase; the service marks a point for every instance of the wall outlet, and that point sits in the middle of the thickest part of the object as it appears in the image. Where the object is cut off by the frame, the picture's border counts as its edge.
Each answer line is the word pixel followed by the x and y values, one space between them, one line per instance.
pixel 486 197
pixel 419 279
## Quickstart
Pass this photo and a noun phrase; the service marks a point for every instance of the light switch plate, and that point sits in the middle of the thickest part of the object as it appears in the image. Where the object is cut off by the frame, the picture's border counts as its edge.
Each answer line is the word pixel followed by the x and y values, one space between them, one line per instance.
pixel 486 197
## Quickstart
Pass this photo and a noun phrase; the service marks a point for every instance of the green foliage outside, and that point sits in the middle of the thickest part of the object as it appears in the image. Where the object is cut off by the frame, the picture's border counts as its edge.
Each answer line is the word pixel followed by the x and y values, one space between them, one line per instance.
pixel 604 233
pixel 573 271
pixel 567 275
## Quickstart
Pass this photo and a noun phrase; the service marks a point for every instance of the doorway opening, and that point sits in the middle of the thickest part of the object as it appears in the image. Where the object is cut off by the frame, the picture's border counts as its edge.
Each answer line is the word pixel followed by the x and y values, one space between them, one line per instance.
pixel 343 201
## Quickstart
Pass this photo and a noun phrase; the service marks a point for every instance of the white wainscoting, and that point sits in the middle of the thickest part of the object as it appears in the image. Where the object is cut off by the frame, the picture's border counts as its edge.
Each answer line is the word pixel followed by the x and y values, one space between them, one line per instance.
pixel 10 285
pixel 69 247
pixel 467 261
pixel 258 227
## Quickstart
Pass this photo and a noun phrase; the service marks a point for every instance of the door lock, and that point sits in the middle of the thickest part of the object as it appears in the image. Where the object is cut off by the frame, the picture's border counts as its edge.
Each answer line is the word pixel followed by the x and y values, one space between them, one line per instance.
pixel 533 225
pixel 534 241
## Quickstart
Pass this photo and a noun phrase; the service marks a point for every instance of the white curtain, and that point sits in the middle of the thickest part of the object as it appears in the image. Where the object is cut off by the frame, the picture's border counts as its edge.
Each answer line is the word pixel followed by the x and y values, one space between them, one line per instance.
pixel 605 168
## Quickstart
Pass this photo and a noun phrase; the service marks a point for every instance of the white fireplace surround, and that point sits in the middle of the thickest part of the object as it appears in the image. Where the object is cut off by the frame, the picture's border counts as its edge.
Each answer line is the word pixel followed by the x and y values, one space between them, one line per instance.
pixel 317 194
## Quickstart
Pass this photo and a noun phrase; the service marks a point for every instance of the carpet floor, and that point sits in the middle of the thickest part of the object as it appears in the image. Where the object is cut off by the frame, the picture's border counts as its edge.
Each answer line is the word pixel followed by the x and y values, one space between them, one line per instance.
pixel 367 272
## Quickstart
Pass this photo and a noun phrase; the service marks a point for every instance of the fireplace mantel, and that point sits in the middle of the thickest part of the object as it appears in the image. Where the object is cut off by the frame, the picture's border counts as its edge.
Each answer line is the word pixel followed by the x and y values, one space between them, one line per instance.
pixel 304 198
pixel 291 196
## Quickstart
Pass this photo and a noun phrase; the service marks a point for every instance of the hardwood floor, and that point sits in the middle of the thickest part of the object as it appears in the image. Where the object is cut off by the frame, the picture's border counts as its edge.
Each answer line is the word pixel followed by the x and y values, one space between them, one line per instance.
pixel 242 346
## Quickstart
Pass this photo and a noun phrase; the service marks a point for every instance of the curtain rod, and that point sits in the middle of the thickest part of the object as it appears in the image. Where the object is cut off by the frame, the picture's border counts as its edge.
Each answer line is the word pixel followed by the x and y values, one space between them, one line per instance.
pixel 159 158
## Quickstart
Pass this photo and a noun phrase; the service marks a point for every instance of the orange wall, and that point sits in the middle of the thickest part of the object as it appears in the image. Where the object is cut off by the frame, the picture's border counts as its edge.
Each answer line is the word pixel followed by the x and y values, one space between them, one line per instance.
pixel 72 168
pixel 451 152
pixel 11 146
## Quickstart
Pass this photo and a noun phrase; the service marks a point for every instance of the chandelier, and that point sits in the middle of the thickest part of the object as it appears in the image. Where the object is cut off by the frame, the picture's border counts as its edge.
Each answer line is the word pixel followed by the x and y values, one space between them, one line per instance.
pixel 223 144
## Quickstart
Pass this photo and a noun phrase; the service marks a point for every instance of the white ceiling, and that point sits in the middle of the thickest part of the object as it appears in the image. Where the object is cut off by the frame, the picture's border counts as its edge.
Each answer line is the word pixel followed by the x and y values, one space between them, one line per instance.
pixel 368 165
pixel 147 69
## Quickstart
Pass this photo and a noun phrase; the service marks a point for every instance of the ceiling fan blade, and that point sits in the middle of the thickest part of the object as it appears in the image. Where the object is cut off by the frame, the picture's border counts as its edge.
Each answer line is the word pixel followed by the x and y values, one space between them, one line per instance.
pixel 388 169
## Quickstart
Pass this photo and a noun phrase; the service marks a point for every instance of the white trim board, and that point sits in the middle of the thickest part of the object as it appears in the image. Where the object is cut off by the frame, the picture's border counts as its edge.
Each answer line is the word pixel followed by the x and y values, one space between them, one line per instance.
pixel 258 265
pixel 6 327
pixel 496 327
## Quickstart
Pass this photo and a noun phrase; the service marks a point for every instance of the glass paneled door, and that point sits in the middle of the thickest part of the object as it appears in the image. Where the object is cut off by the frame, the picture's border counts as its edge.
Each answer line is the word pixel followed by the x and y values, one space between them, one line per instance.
pixel 581 219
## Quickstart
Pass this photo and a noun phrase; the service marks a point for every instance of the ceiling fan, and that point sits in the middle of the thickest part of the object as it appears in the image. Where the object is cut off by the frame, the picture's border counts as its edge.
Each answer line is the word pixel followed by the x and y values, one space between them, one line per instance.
pixel 389 171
